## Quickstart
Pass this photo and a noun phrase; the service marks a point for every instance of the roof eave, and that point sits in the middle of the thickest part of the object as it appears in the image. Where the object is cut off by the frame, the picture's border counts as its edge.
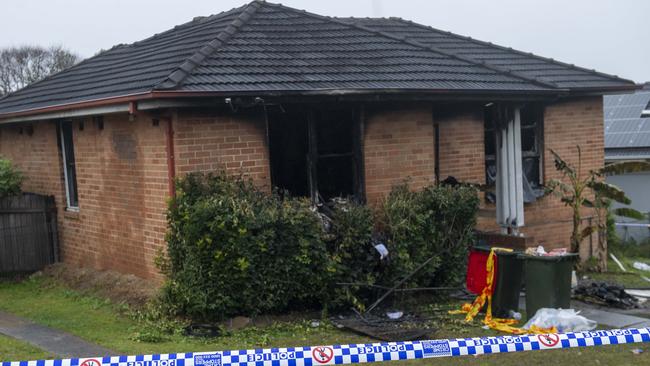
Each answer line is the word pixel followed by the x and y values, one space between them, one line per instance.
pixel 44 113
pixel 604 90
pixel 631 157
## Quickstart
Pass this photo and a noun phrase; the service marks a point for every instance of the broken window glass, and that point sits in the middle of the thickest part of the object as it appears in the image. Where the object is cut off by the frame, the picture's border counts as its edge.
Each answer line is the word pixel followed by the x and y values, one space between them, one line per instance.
pixel 531 117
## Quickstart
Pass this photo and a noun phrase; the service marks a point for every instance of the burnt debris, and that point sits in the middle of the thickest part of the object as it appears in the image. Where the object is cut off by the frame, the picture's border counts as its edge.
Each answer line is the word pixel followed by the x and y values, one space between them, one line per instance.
pixel 605 294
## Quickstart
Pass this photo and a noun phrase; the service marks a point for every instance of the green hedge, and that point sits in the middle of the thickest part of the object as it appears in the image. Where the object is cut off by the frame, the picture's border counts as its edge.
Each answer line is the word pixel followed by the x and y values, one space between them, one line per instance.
pixel 437 223
pixel 351 256
pixel 235 250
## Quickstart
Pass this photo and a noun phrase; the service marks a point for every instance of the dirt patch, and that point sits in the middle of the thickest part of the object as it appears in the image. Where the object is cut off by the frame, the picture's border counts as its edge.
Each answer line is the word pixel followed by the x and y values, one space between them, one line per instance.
pixel 119 288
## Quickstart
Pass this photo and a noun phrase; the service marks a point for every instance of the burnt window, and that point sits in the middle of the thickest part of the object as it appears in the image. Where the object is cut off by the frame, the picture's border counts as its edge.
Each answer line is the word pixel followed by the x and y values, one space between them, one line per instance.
pixel 334 151
pixel 289 148
pixel 490 144
pixel 532 121
pixel 69 166
pixel 315 151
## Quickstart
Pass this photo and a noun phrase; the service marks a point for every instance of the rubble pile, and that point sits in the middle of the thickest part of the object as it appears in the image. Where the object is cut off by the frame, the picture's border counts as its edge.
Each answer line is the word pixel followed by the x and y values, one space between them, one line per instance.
pixel 394 326
pixel 606 294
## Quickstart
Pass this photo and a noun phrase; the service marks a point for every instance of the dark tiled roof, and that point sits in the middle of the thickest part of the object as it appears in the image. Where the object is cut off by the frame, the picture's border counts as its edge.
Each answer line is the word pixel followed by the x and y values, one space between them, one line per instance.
pixel 263 47
pixel 524 64
pixel 122 70
pixel 282 49
pixel 624 126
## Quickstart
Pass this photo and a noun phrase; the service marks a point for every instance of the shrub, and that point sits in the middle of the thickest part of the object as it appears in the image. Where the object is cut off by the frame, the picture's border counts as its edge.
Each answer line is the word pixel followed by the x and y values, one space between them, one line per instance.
pixel 351 256
pixel 11 179
pixel 436 223
pixel 234 250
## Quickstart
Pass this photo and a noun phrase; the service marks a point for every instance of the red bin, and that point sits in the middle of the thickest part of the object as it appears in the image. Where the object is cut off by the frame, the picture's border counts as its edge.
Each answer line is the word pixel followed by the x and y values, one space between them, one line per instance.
pixel 476 278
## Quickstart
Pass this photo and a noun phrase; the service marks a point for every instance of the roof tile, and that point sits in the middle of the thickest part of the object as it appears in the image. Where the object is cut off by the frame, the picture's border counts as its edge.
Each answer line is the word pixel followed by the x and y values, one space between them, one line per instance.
pixel 263 47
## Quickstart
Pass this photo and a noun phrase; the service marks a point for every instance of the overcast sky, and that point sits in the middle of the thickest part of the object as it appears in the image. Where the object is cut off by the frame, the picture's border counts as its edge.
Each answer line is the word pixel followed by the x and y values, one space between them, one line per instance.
pixel 611 36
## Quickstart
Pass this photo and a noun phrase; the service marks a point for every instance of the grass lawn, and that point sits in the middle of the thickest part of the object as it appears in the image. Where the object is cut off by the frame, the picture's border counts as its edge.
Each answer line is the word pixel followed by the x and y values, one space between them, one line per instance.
pixel 106 324
pixel 12 350
pixel 630 279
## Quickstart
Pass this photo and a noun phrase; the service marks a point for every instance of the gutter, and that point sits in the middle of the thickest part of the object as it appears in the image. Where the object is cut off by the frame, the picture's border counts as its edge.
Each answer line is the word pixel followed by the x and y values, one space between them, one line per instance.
pixel 97 106
pixel 71 113
pixel 161 99
pixel 627 158
pixel 627 153
pixel 606 90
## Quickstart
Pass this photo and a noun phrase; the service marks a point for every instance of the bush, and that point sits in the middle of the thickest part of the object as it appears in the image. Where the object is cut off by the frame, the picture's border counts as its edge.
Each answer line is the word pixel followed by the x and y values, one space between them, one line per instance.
pixel 234 250
pixel 11 179
pixel 436 223
pixel 351 256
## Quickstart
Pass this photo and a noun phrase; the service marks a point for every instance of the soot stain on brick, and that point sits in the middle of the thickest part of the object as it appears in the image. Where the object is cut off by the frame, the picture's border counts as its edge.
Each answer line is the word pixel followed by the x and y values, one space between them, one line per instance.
pixel 124 145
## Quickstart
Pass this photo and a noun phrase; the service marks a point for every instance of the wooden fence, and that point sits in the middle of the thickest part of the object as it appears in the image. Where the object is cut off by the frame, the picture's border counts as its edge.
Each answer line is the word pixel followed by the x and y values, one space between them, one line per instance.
pixel 28 233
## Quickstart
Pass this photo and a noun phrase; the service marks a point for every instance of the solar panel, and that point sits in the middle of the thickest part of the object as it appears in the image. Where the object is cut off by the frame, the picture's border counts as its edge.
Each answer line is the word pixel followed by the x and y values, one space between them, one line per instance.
pixel 624 125
pixel 645 126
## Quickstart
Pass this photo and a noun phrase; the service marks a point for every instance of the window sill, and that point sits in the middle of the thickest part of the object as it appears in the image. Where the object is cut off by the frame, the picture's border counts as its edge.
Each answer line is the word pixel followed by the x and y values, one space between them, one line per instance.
pixel 71 213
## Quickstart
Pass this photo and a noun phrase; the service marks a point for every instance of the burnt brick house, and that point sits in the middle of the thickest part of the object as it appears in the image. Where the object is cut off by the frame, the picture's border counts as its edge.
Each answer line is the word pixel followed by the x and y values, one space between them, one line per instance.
pixel 319 106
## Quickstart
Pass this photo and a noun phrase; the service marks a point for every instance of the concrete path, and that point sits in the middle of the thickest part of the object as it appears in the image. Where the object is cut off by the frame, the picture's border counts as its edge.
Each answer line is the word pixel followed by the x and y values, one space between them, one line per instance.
pixel 609 317
pixel 51 340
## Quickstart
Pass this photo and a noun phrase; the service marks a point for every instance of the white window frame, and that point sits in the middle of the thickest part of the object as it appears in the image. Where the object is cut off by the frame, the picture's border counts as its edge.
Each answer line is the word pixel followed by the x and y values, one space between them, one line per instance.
pixel 69 206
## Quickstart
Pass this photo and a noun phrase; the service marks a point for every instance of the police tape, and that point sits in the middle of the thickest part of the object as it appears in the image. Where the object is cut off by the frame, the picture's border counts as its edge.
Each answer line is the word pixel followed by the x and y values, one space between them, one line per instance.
pixel 361 353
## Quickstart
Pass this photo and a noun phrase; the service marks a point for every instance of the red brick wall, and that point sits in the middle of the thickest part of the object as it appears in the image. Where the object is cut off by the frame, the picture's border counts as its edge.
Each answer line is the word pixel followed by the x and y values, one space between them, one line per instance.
pixel 210 141
pixel 122 178
pixel 566 124
pixel 36 155
pixel 122 185
pixel 398 145
pixel 462 154
pixel 122 169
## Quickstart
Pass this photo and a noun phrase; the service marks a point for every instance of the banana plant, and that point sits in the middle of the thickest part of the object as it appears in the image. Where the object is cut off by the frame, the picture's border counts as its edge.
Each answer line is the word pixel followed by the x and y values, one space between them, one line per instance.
pixel 588 189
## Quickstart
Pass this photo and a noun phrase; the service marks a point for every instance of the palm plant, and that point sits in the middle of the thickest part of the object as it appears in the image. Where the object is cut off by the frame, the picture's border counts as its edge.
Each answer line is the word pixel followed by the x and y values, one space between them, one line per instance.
pixel 588 189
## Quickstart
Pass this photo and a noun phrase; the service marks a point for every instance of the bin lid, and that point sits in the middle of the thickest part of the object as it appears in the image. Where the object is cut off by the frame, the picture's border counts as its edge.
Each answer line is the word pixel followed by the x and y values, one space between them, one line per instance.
pixel 481 248
pixel 487 249
pixel 508 253
pixel 550 258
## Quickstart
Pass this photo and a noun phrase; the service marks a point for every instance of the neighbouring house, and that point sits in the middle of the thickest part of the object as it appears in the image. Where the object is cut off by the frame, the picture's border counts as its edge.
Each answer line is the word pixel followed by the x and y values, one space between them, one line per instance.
pixel 318 106
pixel 627 138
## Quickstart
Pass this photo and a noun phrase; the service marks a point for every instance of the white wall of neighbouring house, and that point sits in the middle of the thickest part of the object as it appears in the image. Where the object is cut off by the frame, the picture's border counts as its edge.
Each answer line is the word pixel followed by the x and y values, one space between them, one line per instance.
pixel 637 188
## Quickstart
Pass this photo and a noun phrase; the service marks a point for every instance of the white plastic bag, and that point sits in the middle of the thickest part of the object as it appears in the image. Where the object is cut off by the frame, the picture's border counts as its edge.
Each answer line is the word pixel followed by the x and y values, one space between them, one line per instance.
pixel 642 266
pixel 565 320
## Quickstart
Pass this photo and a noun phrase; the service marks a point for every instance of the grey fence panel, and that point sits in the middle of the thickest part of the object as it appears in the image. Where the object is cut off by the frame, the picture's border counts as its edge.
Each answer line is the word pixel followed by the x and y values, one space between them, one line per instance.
pixel 28 233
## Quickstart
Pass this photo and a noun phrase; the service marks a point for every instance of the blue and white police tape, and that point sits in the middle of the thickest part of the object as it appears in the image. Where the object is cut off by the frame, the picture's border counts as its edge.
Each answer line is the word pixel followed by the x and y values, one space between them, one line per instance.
pixel 360 353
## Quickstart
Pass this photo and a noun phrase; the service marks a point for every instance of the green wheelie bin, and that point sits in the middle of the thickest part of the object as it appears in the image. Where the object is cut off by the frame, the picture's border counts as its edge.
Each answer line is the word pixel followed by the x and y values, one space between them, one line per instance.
pixel 548 282
pixel 505 297
pixel 507 282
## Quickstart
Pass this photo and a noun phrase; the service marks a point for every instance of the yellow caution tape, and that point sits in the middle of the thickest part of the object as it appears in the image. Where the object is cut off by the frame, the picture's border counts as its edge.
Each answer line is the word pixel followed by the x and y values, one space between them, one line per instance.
pixel 501 324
